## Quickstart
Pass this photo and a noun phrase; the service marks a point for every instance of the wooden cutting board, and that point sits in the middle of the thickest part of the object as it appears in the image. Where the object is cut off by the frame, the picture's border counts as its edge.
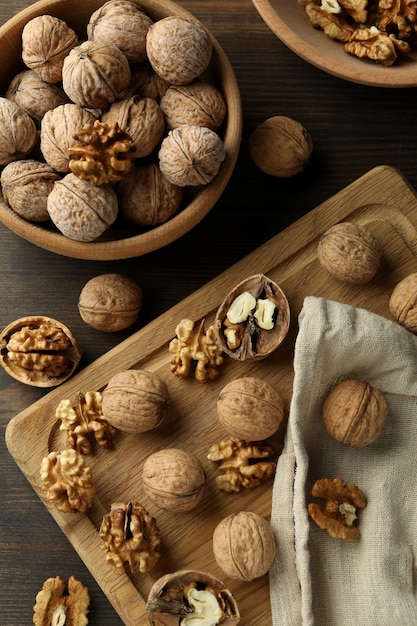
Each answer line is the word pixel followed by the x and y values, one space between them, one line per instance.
pixel 384 202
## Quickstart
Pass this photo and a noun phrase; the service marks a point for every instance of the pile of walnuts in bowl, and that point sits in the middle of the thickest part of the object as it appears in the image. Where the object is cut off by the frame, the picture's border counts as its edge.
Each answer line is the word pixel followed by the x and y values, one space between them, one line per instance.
pixel 118 124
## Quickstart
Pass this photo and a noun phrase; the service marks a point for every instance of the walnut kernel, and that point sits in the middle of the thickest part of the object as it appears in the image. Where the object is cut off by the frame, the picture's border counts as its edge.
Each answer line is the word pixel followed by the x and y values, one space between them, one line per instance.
pixel 39 351
pixel 355 413
pixel 110 302
pixel 338 514
pixel 59 602
pixel 67 481
pixel 281 146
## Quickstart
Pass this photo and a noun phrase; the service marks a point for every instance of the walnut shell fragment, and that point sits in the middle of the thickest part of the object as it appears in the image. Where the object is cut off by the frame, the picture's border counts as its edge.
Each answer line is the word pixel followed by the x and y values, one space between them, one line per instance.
pixel 403 302
pixel 349 252
pixel 244 545
pixel 355 413
pixel 39 351
pixel 60 602
pixel 338 514
pixel 250 408
pixel 174 479
pixel 130 538
pixel 253 319
pixel 187 596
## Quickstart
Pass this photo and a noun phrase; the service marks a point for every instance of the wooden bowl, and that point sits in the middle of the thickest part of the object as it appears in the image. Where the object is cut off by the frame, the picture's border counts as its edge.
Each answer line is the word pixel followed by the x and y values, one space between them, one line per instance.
pixel 288 21
pixel 121 241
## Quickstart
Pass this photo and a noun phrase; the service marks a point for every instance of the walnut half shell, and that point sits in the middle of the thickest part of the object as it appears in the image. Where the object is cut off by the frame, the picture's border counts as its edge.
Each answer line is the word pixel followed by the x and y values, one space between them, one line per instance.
pixel 39 351
pixel 188 595
pixel 253 319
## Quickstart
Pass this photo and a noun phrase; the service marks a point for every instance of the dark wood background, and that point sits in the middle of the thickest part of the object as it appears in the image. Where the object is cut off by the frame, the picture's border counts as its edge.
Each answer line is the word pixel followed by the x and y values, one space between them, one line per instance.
pixel 354 128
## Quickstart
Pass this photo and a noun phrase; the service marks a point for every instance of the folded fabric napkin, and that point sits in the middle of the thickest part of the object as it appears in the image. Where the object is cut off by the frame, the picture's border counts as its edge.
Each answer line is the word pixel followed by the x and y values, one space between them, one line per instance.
pixel 316 579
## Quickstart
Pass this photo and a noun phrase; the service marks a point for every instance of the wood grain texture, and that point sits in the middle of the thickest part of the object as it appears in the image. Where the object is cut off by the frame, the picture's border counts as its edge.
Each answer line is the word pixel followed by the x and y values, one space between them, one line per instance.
pixel 382 201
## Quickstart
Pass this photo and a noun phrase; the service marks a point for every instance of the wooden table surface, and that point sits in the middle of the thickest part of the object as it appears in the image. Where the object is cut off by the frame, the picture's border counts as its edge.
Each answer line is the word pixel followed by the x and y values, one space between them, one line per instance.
pixel 354 128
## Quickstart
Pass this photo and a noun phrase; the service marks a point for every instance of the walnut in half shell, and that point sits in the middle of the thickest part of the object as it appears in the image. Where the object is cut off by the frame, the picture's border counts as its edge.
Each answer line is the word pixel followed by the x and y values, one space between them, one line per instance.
pixel 253 319
pixel 39 351
pixel 187 596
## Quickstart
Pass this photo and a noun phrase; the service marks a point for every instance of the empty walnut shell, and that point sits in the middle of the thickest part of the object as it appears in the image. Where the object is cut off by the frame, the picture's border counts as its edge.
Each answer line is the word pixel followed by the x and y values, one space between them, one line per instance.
pixel 253 319
pixel 244 545
pixel 39 351
pixel 250 408
pixel 174 479
pixel 110 302
pixel 403 302
pixel 349 252
pixel 135 401
pixel 171 599
pixel 355 413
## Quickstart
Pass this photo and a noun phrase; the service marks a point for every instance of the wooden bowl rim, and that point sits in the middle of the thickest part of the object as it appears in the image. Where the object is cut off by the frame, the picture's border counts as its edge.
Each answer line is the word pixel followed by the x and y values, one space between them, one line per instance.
pixel 318 50
pixel 191 214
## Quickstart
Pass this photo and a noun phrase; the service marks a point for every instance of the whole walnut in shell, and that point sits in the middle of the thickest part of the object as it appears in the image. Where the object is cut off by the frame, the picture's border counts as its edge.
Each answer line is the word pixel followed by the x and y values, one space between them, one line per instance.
pixel 146 83
pixel 142 119
pixel 191 155
pixel 174 479
pixel 46 41
pixel 179 49
pixel 123 24
pixel 26 185
pixel 403 302
pixel 95 74
pixel 147 198
pixel 199 104
pixel 34 95
pixel 58 129
pixel 135 401
pixel 250 408
pixel 81 211
pixel 349 252
pixel 355 413
pixel 244 545
pixel 281 146
pixel 18 133
pixel 110 302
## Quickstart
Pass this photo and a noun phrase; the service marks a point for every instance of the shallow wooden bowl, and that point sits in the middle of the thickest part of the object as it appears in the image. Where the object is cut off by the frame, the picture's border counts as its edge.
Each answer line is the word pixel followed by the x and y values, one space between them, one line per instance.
pixel 288 21
pixel 121 241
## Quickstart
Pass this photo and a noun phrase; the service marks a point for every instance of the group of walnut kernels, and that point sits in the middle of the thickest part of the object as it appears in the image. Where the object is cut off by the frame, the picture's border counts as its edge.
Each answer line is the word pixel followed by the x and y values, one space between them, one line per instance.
pixel 373 29
pixel 117 124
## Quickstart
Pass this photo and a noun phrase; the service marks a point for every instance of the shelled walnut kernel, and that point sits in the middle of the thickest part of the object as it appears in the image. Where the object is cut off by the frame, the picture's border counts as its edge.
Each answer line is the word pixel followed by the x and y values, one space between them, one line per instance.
pixel 60 602
pixel 338 514
pixel 130 538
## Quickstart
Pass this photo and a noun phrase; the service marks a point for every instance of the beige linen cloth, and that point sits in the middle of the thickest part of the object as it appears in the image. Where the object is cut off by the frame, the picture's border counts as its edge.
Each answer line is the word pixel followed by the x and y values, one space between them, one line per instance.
pixel 328 582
